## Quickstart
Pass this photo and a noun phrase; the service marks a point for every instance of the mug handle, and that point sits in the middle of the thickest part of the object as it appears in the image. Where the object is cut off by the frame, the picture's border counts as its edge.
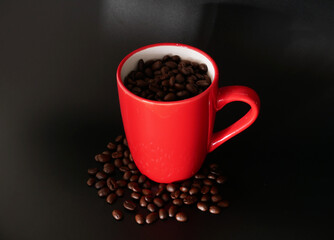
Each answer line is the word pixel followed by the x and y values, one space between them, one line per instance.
pixel 233 94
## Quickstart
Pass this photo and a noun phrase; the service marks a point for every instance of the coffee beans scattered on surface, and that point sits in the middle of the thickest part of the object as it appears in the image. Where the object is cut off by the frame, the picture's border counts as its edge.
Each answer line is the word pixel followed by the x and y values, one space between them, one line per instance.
pixel 167 79
pixel 118 177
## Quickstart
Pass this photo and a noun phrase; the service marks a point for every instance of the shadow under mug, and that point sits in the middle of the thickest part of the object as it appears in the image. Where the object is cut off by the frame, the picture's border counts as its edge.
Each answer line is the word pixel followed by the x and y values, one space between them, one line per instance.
pixel 169 140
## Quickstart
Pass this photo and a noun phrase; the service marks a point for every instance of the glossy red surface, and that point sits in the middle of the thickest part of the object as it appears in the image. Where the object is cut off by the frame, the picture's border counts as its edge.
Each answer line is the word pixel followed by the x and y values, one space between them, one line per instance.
pixel 169 140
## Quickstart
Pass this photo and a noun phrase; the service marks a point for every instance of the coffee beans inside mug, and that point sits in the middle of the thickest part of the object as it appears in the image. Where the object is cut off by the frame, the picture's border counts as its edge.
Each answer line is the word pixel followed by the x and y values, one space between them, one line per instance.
pixel 115 177
pixel 168 79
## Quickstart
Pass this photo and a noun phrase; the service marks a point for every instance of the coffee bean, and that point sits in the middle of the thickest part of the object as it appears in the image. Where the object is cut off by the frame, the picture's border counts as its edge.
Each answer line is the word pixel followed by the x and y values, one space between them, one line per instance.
pixel 156 65
pixel 129 205
pixel 214 190
pixel 193 191
pixel 203 67
pixel 163 214
pixel 202 206
pixel 199 176
pixel 182 94
pixel 142 202
pixel 119 138
pixel 100 184
pixel 141 179
pixel 212 176
pixel 134 178
pixel 175 194
pixel 101 175
pixel 120 148
pixel 187 70
pixel 92 171
pixel 90 181
pixel 220 179
pixel 162 185
pixel 205 198
pixel 184 189
pixel 146 191
pixel 103 192
pixel 112 184
pixel 183 195
pixel 108 168
pixel 170 97
pixel 172 81
pixel 111 198
pixel 132 166
pixel 140 219
pixel 119 192
pixel 124 169
pixel 178 86
pixel 216 198
pixel 111 146
pixel 136 171
pixel 151 218
pixel 205 189
pixel 165 197
pixel 136 188
pixel 125 161
pixel 177 202
pixel 181 217
pixel 117 155
pixel 172 211
pixel 191 88
pixel 223 204
pixel 214 209
pixel 171 64
pixel 148 198
pixel 103 158
pixel 179 78
pixel 171 187
pixel 207 182
pixel 117 214
pixel 151 207
pixel 135 195
pixel 158 202
pixel 148 72
pixel 190 200
pixel 121 183
pixel 175 58
pixel 118 163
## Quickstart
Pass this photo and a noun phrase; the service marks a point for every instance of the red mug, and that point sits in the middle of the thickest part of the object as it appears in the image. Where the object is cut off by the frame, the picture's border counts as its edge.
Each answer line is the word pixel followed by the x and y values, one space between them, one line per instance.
pixel 169 140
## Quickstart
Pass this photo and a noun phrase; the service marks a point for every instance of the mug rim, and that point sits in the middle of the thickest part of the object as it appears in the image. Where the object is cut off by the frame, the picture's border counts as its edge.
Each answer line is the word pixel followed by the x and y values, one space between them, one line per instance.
pixel 187 100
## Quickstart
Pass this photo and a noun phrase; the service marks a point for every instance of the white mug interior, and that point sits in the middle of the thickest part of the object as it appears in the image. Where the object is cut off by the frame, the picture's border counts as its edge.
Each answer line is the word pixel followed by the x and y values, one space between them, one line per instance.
pixel 157 52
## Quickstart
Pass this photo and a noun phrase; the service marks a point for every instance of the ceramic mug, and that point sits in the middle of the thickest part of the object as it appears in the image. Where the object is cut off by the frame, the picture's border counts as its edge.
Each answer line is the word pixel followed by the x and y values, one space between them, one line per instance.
pixel 169 140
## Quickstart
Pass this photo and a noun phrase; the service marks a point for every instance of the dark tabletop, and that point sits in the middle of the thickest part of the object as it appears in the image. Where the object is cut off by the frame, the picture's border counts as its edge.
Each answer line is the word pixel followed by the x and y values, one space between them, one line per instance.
pixel 59 107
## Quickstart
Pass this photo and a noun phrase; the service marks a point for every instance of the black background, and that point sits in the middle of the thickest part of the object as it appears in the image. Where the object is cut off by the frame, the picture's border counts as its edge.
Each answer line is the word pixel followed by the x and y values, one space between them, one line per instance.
pixel 59 107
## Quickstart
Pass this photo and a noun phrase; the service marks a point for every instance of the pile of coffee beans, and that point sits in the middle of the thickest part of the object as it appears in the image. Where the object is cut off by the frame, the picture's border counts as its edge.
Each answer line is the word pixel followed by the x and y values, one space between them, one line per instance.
pixel 168 79
pixel 119 174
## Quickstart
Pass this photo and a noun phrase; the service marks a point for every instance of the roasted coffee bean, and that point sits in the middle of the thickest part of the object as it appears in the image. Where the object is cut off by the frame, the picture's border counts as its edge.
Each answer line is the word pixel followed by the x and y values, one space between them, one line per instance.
pixel 187 70
pixel 118 163
pixel 136 188
pixel 158 202
pixel 125 142
pixel 129 205
pixel 111 146
pixel 132 166
pixel 216 198
pixel 101 175
pixel 156 65
pixel 146 191
pixel 111 198
pixel 190 200
pixel 170 97
pixel 117 214
pixel 159 192
pixel 205 198
pixel 125 161
pixel 223 204
pixel 199 176
pixel 214 209
pixel 171 187
pixel 172 81
pixel 175 58
pixel 90 181
pixel 202 206
pixel 92 171
pixel 162 185
pixel 120 148
pixel 179 78
pixel 172 211
pixel 141 179
pixel 163 214
pixel 184 189
pixel 124 169
pixel 171 64
pixel 193 191
pixel 175 194
pixel 207 182
pixel 177 202
pixel 178 86
pixel 205 189
pixel 191 88
pixel 119 192
pixel 183 195
pixel 131 185
pixel 181 217
pixel 112 184
pixel 220 179
pixel 149 198
pixel 121 183
pixel 151 207
pixel 134 178
pixel 117 155
pixel 119 138
pixel 140 219
pixel 165 197
pixel 203 67
pixel 103 158
pixel 100 184
pixel 108 168
pixel 126 153
pixel 148 72
pixel 136 171
pixel 135 195
pixel 214 190
pixel 103 192
pixel 142 202
pixel 166 58
pixel 151 218
pixel 211 176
